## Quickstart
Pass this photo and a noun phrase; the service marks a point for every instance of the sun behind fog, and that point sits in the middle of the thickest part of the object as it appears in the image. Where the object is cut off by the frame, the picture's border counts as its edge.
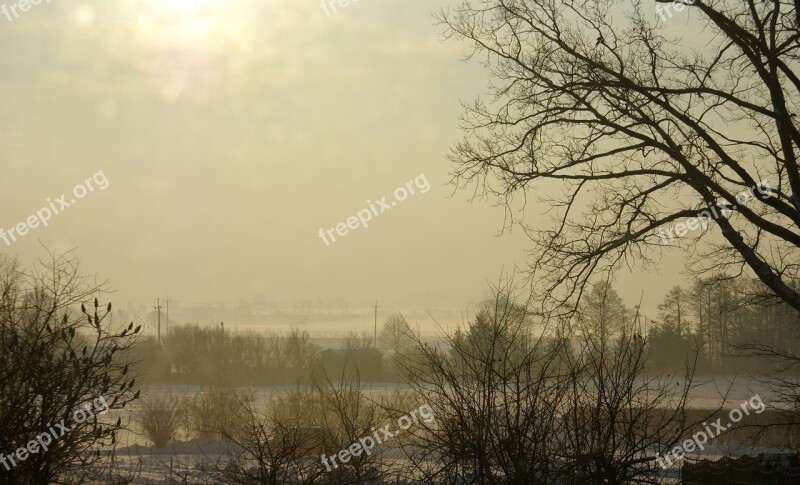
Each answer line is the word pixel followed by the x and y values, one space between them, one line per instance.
pixel 187 5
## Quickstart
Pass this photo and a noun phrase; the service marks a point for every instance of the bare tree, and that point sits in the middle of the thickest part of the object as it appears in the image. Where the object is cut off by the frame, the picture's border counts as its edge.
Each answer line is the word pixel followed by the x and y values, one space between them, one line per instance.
pixel 396 334
pixel 640 131
pixel 673 311
pixel 295 436
pixel 214 414
pixel 269 447
pixel 398 337
pixel 512 407
pixel 348 414
pixel 617 416
pixel 62 369
pixel 160 419
pixel 602 313
pixel 354 341
pixel 494 403
pixel 300 352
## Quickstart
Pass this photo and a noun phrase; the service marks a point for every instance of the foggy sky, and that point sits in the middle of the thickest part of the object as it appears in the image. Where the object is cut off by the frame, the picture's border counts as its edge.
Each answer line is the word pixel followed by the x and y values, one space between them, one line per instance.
pixel 231 131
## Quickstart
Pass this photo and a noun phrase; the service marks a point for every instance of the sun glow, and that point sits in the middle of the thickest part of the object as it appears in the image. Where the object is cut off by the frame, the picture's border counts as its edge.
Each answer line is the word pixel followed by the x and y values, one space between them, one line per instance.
pixel 183 21
pixel 185 48
pixel 182 46
pixel 185 5
pixel 204 24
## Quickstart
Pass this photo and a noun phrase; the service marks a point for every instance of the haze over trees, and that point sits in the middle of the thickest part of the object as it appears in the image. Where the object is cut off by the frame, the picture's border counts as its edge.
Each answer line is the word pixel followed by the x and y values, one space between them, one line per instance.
pixel 518 396
pixel 555 379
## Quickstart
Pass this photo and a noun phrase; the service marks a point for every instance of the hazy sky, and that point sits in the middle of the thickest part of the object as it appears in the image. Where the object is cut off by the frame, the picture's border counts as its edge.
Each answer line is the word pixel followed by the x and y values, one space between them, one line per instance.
pixel 231 131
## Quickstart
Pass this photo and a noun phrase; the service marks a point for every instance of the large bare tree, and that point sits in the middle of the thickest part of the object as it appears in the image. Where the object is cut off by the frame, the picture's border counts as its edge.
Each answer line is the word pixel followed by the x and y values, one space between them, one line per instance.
pixel 639 131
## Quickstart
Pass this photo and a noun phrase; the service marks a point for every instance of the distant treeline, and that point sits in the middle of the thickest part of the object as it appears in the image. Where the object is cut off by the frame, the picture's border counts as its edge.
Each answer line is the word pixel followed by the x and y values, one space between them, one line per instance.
pixel 211 355
pixel 720 320
pixel 731 322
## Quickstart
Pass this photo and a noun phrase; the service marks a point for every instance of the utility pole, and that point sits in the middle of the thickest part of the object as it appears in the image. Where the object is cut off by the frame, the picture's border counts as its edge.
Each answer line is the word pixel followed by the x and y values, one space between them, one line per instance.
pixel 376 324
pixel 158 307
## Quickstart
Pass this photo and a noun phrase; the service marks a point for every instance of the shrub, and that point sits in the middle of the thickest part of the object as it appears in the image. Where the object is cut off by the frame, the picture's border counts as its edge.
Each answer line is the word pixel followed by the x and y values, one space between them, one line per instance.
pixel 160 418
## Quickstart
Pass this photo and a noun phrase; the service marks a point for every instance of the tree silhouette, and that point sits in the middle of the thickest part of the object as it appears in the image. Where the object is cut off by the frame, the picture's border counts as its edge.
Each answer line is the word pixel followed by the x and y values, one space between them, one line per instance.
pixel 59 354
pixel 639 131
